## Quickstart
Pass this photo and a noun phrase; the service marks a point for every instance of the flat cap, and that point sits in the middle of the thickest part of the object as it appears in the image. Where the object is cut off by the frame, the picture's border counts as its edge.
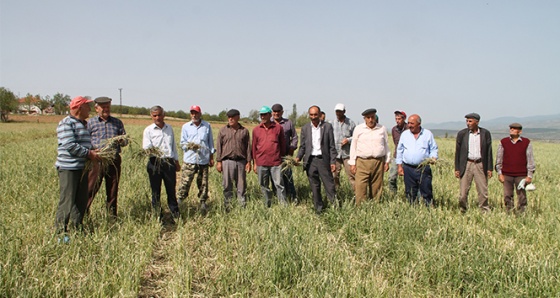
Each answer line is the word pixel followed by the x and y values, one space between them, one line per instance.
pixel 473 116
pixel 277 107
pixel 515 125
pixel 103 99
pixel 369 111
pixel 265 110
pixel 233 113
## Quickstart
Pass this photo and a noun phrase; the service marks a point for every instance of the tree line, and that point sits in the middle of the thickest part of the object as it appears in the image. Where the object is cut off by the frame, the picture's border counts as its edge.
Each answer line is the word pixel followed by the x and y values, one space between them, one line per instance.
pixel 58 104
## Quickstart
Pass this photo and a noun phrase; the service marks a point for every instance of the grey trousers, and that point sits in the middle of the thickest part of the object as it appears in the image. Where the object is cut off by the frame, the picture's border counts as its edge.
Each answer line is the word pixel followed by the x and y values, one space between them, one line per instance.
pixel 273 173
pixel 233 173
pixel 73 199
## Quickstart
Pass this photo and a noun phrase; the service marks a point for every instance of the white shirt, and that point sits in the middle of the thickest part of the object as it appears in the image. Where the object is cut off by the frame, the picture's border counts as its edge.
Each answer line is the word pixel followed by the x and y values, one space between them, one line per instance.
pixel 474 145
pixel 369 142
pixel 316 139
pixel 162 138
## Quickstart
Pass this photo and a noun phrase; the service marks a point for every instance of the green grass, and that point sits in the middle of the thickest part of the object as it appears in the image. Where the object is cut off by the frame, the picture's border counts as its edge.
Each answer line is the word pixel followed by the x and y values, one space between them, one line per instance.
pixel 385 248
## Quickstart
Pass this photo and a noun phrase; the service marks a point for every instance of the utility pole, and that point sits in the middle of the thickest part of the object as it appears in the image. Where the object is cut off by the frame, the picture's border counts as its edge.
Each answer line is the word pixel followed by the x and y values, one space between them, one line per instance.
pixel 120 94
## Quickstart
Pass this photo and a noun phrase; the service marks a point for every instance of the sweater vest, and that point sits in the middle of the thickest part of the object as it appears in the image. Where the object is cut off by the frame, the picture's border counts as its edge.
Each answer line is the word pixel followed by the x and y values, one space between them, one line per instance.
pixel 515 157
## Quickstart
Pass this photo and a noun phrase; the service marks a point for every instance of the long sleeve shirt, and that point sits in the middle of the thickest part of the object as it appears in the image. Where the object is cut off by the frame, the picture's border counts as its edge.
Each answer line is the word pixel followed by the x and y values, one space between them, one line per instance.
pixel 269 145
pixel 369 142
pixel 343 130
pixel 233 144
pixel 74 143
pixel 162 138
pixel 200 135
pixel 530 158
pixel 101 130
pixel 413 151
pixel 290 134
pixel 396 133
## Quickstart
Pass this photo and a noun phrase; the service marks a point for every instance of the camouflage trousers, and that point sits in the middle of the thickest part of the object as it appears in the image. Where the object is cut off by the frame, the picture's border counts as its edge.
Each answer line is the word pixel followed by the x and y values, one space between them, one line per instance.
pixel 189 170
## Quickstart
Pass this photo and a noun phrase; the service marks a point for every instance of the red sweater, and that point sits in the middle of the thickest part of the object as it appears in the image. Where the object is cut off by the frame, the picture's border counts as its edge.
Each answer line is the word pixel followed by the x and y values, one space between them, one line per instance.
pixel 269 145
pixel 515 157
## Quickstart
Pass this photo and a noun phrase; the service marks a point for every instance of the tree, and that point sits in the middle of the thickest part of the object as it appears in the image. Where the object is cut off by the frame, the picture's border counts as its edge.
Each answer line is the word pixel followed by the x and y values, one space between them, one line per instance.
pixel 293 114
pixel 302 120
pixel 223 115
pixel 44 103
pixel 61 102
pixel 8 103
pixel 254 116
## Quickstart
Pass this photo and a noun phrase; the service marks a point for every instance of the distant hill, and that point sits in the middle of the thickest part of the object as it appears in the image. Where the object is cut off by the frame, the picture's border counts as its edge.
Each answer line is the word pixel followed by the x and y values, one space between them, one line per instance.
pixel 544 127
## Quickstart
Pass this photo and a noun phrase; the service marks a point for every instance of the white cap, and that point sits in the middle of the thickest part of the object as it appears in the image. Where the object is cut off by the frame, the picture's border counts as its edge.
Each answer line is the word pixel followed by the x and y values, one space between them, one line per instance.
pixel 339 107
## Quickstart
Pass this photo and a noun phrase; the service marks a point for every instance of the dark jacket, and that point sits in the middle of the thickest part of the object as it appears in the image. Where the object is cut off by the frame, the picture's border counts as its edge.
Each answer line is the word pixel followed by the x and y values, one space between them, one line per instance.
pixel 462 150
pixel 328 149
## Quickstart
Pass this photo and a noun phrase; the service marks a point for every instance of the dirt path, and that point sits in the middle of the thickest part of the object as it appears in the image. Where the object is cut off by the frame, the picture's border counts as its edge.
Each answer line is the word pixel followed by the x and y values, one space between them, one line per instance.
pixel 159 271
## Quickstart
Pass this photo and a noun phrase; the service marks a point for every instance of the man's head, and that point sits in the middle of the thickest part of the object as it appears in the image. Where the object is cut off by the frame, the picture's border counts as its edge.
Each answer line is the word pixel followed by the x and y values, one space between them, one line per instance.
pixel 103 107
pixel 515 130
pixel 340 111
pixel 158 115
pixel 370 117
pixel 80 108
pixel 414 123
pixel 266 114
pixel 277 112
pixel 314 114
pixel 472 120
pixel 400 118
pixel 233 117
pixel 323 116
pixel 196 114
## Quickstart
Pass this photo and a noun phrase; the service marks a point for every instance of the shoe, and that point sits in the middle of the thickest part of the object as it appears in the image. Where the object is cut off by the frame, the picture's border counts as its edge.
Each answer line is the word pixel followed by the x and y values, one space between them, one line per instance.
pixel 203 208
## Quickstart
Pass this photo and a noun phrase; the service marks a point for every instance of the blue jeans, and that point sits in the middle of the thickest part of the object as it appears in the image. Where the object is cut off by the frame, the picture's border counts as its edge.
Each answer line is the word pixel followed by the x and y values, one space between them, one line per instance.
pixel 418 178
pixel 273 173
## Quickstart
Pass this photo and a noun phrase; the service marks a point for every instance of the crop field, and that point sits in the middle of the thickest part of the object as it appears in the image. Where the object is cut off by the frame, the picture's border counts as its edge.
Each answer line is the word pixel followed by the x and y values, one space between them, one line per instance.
pixel 384 248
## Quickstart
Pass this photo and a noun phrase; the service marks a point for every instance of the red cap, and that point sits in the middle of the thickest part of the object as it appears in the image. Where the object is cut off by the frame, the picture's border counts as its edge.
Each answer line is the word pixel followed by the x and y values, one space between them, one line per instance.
pixel 78 102
pixel 196 108
pixel 402 113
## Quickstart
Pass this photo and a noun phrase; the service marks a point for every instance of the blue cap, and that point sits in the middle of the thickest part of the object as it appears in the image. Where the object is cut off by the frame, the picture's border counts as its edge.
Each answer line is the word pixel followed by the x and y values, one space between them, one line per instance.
pixel 265 110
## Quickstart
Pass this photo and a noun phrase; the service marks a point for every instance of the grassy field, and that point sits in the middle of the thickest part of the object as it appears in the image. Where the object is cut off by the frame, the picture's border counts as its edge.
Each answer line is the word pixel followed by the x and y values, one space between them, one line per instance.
pixel 385 248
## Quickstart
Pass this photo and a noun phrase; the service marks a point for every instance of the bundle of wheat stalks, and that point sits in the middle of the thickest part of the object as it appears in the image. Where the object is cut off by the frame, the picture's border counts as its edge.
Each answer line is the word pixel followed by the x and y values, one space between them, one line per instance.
pixel 151 152
pixel 108 153
pixel 288 162
pixel 193 146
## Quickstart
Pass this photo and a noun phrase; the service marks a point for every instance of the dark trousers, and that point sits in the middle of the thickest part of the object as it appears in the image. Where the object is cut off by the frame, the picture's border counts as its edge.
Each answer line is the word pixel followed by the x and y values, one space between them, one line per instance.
pixel 418 178
pixel 112 176
pixel 73 199
pixel 158 171
pixel 318 171
pixel 510 184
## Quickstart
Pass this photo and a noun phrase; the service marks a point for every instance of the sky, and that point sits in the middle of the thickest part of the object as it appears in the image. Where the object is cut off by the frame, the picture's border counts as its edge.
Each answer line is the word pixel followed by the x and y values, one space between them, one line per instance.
pixel 438 59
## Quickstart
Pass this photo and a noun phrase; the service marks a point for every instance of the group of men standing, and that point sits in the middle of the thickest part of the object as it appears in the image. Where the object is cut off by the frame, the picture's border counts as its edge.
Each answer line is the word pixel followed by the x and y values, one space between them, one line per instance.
pixel 325 148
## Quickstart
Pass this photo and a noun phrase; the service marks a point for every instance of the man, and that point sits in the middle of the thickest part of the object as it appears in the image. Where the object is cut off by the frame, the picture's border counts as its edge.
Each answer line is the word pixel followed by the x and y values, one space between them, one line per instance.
pixel 318 152
pixel 291 137
pixel 198 147
pixel 323 116
pixel 159 135
pixel 396 131
pixel 515 165
pixel 233 158
pixel 269 145
pixel 473 160
pixel 104 127
pixel 74 148
pixel 343 129
pixel 415 146
pixel 369 157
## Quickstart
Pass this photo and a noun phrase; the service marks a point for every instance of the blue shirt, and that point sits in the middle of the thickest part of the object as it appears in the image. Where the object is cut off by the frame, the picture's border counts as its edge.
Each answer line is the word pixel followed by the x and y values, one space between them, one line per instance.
pixel 414 151
pixel 200 135
pixel 74 142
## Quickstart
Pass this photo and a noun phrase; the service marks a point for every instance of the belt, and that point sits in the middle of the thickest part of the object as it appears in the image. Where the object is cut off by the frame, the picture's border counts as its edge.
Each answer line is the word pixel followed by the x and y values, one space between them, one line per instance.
pixel 370 157
pixel 234 158
pixel 317 156
pixel 411 166
pixel 475 160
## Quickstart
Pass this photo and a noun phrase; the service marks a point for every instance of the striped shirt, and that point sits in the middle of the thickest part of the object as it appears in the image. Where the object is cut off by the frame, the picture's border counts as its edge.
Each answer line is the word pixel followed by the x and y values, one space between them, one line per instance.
pixel 162 138
pixel 74 142
pixel 233 144
pixel 102 130
pixel 343 130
